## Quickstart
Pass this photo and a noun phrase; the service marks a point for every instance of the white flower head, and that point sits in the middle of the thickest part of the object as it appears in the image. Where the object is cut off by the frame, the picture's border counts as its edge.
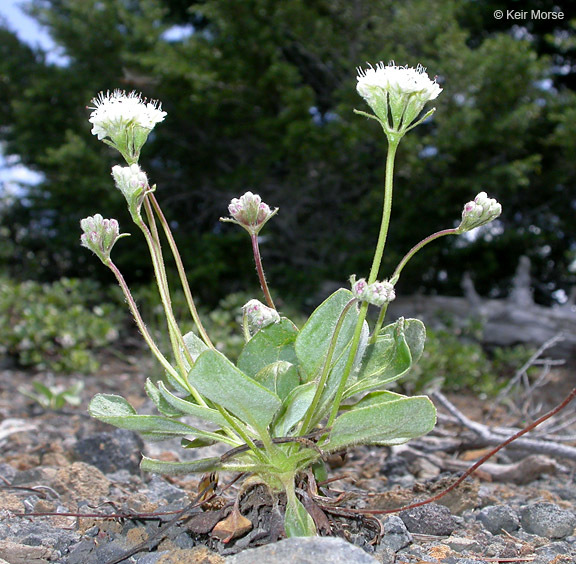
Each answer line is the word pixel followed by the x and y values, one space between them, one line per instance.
pixel 259 316
pixel 480 211
pixel 100 235
pixel 126 119
pixel 398 91
pixel 250 212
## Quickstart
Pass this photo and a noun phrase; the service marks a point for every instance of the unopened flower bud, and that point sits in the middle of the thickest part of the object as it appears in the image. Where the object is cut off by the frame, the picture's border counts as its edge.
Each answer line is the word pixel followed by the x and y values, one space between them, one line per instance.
pixel 100 235
pixel 480 211
pixel 133 183
pixel 377 293
pixel 250 212
pixel 258 315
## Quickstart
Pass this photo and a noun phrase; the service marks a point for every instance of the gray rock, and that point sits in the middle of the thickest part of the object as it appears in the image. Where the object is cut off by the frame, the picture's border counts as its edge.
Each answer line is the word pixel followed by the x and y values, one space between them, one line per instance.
pixel 547 520
pixel 429 519
pixel 396 535
pixel 160 490
pixel 152 558
pixel 110 452
pixel 555 549
pixel 499 518
pixel 304 550
pixel 463 544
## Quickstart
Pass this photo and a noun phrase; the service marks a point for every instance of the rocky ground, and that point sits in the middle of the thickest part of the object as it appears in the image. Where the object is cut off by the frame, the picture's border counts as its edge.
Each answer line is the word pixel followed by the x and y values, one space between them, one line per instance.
pixel 85 476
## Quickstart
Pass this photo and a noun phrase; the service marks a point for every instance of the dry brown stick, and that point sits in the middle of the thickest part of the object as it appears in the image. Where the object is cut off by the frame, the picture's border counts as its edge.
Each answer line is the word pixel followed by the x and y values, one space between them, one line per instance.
pixel 473 468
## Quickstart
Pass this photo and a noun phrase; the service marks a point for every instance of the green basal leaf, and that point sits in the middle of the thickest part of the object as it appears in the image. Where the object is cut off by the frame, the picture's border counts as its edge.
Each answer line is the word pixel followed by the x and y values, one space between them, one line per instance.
pixel 297 521
pixel 294 408
pixel 43 389
pixel 116 411
pixel 196 443
pixel 173 468
pixel 271 344
pixel 161 404
pixel 373 398
pixel 313 343
pixel 195 346
pixel 397 348
pixel 213 464
pixel 189 407
pixel 415 335
pixel 386 422
pixel 217 379
pixel 281 377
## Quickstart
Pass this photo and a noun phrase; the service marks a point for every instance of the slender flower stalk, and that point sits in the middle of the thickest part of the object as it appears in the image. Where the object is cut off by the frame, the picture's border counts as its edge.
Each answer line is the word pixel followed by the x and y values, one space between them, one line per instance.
pixel 417 247
pixel 181 271
pixel 311 411
pixel 251 213
pixel 397 95
pixel 384 226
pixel 260 271
pixel 153 239
pixel 143 329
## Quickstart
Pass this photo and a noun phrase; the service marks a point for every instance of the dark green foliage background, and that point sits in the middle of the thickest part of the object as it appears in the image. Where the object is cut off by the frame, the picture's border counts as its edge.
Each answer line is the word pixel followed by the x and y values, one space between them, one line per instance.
pixel 260 97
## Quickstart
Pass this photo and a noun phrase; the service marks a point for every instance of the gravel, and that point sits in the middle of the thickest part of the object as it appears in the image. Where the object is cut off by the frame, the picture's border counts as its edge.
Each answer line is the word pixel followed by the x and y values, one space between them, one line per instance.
pixel 68 463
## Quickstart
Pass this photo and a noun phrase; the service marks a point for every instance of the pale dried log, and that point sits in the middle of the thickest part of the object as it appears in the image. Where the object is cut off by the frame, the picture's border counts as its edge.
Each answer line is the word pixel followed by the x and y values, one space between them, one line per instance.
pixel 489 438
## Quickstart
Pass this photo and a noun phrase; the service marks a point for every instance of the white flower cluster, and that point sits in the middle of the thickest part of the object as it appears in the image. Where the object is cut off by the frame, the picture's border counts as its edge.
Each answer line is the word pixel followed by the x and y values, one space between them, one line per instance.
pixel 377 293
pixel 258 315
pixel 115 111
pixel 397 92
pixel 480 211
pixel 390 77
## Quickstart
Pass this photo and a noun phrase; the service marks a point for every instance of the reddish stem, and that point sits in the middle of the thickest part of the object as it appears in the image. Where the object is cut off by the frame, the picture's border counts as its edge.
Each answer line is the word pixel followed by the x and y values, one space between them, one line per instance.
pixel 260 270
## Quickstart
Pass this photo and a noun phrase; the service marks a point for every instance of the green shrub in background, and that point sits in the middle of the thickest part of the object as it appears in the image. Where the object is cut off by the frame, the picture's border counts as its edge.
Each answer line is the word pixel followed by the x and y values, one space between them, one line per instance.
pixel 56 326
pixel 456 362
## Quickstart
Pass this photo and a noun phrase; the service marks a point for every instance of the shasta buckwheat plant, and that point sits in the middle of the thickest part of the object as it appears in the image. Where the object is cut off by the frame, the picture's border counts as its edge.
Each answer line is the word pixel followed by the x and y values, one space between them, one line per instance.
pixel 295 394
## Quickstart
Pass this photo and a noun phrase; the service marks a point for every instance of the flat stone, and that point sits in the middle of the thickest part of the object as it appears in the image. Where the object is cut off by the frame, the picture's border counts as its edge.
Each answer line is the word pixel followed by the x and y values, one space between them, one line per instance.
pixel 304 550
pixel 547 520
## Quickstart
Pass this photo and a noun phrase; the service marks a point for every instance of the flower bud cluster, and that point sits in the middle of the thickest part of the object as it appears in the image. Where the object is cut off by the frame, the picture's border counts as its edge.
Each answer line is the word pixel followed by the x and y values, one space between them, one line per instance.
pixel 377 293
pixel 100 235
pixel 480 211
pixel 133 183
pixel 258 315
pixel 126 120
pixel 250 212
